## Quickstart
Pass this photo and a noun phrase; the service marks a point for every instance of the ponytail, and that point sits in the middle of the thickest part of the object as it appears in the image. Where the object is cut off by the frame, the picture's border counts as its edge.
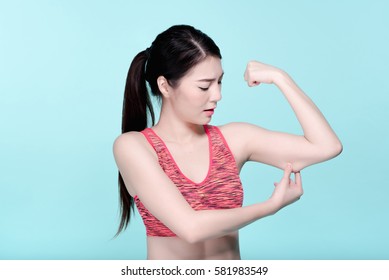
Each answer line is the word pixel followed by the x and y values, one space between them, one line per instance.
pixel 172 55
pixel 136 106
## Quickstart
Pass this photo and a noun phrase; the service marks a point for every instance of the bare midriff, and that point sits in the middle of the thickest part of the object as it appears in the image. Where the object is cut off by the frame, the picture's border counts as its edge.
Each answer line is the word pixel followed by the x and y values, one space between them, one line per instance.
pixel 174 248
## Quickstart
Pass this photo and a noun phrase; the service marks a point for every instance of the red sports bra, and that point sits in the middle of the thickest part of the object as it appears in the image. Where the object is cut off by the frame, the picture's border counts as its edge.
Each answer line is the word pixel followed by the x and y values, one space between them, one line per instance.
pixel 221 189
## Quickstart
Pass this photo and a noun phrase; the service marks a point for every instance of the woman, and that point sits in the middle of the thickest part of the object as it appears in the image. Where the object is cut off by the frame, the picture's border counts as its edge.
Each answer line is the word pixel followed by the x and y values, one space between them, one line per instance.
pixel 182 173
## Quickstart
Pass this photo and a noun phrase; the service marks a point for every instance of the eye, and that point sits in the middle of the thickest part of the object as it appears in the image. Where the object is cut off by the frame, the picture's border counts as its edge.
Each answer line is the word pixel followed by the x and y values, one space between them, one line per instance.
pixel 203 89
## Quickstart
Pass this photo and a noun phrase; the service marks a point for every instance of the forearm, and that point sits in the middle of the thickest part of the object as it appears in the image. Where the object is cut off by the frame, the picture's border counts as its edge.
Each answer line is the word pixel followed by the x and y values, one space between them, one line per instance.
pixel 206 224
pixel 315 127
pixel 214 223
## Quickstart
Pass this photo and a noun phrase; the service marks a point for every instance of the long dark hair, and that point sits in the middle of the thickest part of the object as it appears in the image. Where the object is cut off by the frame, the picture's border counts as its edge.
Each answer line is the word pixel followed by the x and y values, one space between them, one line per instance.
pixel 172 54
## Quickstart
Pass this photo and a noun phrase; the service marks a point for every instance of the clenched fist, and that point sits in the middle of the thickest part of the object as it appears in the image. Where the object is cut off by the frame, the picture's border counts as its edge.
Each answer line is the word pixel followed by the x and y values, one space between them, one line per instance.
pixel 258 72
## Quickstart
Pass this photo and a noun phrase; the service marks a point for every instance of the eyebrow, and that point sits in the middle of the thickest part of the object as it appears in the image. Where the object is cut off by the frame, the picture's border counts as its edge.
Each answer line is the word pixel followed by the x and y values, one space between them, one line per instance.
pixel 211 80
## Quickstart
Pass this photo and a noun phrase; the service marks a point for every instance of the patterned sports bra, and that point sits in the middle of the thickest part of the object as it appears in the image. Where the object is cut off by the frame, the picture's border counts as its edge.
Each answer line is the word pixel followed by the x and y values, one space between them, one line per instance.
pixel 221 189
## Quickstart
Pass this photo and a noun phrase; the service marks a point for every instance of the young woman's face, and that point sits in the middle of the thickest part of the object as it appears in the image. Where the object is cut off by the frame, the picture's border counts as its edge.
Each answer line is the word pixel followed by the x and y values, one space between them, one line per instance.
pixel 195 98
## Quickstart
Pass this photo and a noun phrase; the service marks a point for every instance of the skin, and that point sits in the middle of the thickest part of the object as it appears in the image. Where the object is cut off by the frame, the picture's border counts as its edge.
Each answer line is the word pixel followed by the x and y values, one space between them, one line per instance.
pixel 213 234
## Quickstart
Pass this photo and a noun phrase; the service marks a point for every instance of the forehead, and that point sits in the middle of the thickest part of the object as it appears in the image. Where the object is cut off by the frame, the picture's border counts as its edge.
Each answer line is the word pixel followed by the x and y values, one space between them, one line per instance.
pixel 209 68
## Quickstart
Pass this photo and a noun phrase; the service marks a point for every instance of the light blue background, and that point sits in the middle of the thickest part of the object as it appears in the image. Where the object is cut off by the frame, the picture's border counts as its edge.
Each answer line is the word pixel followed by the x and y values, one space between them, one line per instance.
pixel 62 73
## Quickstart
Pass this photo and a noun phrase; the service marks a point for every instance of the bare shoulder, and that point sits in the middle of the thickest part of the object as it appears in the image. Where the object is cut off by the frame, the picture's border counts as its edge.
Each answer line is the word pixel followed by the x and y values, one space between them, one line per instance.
pixel 130 144
pixel 132 153
pixel 132 137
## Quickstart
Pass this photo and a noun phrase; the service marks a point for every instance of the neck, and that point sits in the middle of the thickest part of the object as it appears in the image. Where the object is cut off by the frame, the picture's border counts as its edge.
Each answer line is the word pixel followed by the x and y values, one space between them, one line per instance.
pixel 172 129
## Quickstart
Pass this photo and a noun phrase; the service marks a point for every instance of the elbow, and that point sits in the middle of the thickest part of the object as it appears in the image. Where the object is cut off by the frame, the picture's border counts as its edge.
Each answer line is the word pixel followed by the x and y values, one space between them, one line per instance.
pixel 191 238
pixel 332 150
pixel 191 233
pixel 336 149
pixel 339 148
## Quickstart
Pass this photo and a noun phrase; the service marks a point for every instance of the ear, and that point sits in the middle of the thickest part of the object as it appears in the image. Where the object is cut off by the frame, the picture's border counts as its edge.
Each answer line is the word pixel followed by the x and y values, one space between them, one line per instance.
pixel 163 86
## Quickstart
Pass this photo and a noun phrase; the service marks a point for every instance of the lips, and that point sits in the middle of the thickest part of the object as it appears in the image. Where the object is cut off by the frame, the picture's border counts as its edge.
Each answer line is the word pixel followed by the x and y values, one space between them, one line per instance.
pixel 209 112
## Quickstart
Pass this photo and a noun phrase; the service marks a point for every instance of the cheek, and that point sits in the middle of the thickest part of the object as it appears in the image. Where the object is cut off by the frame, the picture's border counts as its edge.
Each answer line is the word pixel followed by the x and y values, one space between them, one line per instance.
pixel 197 103
pixel 193 99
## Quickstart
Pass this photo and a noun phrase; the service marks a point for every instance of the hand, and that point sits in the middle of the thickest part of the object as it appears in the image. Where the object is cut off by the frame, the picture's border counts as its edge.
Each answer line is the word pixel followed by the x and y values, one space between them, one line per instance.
pixel 257 72
pixel 286 191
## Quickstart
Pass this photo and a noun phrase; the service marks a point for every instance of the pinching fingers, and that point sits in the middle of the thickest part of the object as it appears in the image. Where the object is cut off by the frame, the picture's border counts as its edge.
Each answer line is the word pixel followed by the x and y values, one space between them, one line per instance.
pixel 287 171
pixel 297 177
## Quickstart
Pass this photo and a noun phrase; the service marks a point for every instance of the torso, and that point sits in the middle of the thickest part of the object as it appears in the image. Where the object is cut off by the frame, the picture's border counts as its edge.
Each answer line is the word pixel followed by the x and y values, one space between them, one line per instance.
pixel 226 247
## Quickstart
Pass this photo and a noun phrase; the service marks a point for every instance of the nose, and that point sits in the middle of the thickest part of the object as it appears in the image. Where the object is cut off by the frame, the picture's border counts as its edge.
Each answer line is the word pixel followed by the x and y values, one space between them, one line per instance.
pixel 216 94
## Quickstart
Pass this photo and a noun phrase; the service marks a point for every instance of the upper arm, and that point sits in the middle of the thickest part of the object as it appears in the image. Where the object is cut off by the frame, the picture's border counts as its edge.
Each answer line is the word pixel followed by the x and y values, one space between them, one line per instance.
pixel 274 148
pixel 144 177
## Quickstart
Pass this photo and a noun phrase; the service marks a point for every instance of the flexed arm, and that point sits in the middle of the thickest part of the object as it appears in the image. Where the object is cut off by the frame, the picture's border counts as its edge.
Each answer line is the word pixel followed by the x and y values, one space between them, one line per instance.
pixel 319 142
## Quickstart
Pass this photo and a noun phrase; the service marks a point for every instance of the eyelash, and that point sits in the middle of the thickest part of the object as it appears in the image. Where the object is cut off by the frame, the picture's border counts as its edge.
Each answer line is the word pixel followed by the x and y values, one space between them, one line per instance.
pixel 205 89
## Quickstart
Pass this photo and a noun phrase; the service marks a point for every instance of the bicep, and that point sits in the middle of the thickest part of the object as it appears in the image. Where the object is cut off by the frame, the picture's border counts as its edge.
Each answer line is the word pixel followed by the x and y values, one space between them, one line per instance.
pixel 140 170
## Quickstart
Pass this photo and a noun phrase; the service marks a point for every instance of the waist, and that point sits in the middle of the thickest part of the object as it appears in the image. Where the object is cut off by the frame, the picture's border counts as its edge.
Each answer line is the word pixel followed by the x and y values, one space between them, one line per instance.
pixel 174 248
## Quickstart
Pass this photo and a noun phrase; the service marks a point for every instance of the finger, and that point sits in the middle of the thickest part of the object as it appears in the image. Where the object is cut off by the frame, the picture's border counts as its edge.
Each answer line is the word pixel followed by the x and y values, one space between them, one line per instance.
pixel 297 178
pixel 287 172
pixel 255 83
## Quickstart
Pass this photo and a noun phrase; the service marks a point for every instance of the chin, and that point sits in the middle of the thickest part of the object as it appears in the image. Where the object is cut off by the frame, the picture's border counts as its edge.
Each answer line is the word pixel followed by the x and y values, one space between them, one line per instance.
pixel 205 122
pixel 202 121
